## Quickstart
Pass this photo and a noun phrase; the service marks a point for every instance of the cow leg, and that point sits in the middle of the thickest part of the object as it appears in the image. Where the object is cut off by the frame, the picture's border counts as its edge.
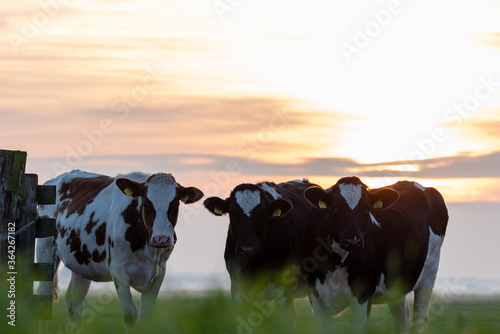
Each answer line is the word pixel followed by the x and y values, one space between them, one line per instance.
pixel 292 310
pixel 421 307
pixel 323 317
pixel 75 295
pixel 148 297
pixel 360 312
pixel 400 315
pixel 425 284
pixel 129 310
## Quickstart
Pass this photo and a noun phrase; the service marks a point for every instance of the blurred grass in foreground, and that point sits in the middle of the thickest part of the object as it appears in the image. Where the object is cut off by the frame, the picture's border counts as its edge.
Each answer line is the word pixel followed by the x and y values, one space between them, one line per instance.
pixel 215 313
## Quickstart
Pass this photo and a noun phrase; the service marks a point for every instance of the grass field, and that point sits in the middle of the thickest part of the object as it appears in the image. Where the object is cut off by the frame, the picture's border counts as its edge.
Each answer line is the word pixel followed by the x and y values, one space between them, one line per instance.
pixel 216 313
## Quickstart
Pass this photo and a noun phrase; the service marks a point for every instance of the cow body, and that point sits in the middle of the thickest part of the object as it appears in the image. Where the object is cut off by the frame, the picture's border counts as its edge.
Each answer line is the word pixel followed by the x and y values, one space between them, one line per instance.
pixel 116 229
pixel 267 221
pixel 376 246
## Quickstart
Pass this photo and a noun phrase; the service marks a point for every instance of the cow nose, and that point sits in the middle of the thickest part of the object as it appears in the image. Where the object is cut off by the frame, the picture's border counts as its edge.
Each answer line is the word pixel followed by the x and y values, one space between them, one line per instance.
pixel 246 250
pixel 351 243
pixel 162 241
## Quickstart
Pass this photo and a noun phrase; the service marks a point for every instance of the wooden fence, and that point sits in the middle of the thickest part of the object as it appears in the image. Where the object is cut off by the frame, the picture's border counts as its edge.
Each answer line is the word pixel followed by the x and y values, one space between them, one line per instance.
pixel 19 226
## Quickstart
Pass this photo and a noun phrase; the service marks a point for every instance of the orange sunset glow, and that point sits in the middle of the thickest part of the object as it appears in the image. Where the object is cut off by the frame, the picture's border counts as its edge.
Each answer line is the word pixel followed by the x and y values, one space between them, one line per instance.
pixel 224 92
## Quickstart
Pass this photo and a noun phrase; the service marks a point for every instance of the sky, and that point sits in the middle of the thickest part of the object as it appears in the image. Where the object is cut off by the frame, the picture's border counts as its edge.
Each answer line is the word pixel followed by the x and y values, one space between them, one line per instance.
pixel 223 92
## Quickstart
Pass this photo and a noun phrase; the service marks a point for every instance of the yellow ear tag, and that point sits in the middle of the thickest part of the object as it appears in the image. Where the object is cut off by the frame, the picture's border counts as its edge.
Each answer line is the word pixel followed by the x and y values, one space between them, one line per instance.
pixel 128 192
pixel 277 213
pixel 378 204
pixel 218 211
pixel 184 199
pixel 321 204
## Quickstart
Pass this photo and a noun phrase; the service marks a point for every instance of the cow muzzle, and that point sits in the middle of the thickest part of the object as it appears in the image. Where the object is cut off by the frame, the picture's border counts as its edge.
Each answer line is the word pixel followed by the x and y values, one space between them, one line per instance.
pixel 350 244
pixel 162 241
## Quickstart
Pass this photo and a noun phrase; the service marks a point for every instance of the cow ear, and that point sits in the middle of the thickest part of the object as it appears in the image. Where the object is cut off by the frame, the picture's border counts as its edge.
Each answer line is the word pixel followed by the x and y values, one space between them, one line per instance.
pixel 189 195
pixel 279 208
pixel 318 197
pixel 130 188
pixel 216 205
pixel 383 198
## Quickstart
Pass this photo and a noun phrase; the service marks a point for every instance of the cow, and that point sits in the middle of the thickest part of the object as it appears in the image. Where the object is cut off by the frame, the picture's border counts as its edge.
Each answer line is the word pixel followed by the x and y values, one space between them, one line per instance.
pixel 373 246
pixel 117 229
pixel 266 222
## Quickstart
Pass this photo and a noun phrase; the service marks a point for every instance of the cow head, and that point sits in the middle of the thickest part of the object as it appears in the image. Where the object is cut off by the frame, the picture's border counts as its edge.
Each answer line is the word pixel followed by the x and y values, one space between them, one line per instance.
pixel 160 196
pixel 349 205
pixel 249 209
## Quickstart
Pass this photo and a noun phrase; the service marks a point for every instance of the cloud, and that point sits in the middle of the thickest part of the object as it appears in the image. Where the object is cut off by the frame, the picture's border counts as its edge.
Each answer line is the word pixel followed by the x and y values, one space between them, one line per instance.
pixel 462 166
pixel 251 127
pixel 233 126
pixel 492 39
pixel 215 99
pixel 484 128
pixel 234 115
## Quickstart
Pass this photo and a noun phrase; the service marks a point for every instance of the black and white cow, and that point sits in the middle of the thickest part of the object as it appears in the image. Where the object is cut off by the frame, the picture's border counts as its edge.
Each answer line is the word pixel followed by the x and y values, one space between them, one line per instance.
pixel 373 246
pixel 266 222
pixel 115 229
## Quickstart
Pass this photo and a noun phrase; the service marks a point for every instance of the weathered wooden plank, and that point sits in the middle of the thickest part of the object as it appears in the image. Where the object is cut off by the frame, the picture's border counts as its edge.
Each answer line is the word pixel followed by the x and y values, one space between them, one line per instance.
pixel 12 165
pixel 18 228
pixel 46 227
pixel 25 242
pixel 28 218
pixel 43 272
pixel 46 195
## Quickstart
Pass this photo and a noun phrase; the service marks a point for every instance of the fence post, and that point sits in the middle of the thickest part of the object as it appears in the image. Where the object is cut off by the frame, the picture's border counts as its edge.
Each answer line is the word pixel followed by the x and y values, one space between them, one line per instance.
pixel 19 227
pixel 12 165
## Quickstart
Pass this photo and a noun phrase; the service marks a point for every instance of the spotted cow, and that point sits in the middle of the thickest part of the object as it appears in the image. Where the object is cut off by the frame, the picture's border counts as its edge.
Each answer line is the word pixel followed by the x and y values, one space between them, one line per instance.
pixel 115 229
pixel 266 223
pixel 373 246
